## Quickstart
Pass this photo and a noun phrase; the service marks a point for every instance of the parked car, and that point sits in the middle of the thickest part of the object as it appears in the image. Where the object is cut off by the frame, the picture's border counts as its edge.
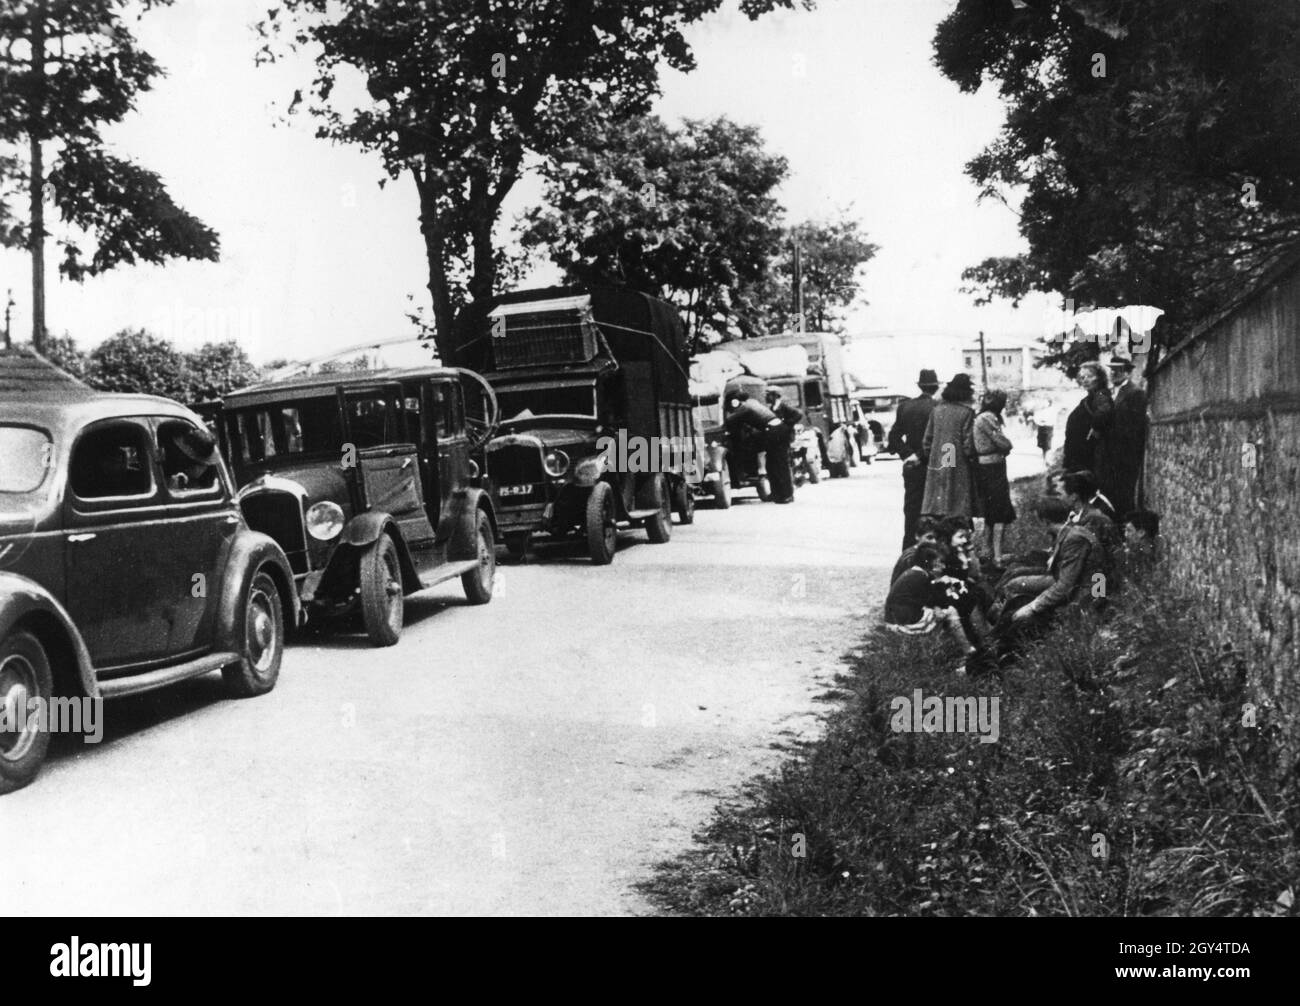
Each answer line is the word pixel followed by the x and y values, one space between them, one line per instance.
pixel 596 430
pixel 125 562
pixel 367 481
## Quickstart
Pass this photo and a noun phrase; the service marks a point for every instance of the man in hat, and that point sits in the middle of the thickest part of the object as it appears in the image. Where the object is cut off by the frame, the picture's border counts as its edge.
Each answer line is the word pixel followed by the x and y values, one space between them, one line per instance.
pixel 190 458
pixel 905 440
pixel 1128 434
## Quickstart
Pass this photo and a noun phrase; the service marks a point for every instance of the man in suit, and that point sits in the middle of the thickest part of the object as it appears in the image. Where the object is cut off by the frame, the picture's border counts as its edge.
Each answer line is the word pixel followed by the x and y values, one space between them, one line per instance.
pixel 905 440
pixel 1128 435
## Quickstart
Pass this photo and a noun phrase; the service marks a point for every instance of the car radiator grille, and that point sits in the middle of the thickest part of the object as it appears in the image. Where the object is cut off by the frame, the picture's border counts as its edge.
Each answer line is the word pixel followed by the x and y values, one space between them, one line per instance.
pixel 516 464
pixel 279 516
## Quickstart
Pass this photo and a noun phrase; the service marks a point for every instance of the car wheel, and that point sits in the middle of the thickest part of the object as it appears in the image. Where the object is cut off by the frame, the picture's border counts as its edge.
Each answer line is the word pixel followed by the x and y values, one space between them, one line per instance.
pixel 764 488
pixel 685 504
pixel 659 528
pixel 722 489
pixel 517 543
pixel 602 533
pixel 24 675
pixel 381 592
pixel 478 581
pixel 259 667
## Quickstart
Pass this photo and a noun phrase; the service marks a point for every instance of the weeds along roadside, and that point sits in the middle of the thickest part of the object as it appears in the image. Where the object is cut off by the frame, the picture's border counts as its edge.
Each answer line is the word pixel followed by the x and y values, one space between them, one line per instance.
pixel 1131 776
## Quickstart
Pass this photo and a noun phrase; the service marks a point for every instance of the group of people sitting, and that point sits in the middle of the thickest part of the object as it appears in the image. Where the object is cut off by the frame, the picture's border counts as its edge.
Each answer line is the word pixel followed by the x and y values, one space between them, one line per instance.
pixel 939 582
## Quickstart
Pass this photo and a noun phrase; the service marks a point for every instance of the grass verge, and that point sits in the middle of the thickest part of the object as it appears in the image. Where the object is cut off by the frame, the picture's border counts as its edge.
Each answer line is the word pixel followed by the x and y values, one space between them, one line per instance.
pixel 1131 776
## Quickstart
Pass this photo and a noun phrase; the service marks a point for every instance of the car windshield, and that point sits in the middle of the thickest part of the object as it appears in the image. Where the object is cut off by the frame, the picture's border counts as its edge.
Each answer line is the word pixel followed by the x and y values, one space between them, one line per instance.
pixel 519 404
pixel 28 454
pixel 303 426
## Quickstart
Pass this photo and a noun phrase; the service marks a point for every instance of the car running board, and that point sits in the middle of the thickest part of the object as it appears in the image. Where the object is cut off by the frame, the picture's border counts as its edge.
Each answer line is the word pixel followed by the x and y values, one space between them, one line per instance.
pixel 147 682
pixel 447 571
pixel 642 514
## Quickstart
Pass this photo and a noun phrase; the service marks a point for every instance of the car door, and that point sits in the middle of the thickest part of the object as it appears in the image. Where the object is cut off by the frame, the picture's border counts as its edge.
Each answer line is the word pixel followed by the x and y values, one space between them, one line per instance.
pixel 121 588
pixel 452 444
pixel 199 522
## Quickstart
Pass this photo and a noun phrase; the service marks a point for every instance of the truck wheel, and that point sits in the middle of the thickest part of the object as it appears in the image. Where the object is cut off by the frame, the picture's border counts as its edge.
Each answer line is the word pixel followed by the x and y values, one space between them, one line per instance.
pixel 517 543
pixel 764 488
pixel 478 581
pixel 24 675
pixel 381 592
pixel 259 669
pixel 602 533
pixel 722 489
pixel 685 504
pixel 659 528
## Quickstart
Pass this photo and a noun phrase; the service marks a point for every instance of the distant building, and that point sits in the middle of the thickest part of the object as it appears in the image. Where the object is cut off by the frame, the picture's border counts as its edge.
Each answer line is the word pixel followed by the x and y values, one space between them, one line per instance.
pixel 1010 366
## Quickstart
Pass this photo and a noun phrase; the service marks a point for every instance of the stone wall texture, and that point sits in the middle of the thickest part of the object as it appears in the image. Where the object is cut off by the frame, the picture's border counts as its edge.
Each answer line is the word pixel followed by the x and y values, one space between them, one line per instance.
pixel 1223 470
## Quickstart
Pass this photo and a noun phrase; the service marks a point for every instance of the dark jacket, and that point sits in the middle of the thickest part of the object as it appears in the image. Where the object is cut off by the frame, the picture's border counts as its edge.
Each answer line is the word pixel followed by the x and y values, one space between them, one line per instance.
pixel 909 596
pixel 750 413
pixel 909 426
pixel 1077 560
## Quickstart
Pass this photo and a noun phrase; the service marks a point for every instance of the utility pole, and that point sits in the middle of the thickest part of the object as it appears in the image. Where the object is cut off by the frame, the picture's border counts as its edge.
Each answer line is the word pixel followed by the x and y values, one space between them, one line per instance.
pixel 798 289
pixel 35 126
pixel 9 342
pixel 984 365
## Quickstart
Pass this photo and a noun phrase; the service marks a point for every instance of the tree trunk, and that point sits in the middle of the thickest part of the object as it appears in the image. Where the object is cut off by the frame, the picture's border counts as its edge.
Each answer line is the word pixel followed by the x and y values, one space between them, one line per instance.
pixel 439 287
pixel 34 129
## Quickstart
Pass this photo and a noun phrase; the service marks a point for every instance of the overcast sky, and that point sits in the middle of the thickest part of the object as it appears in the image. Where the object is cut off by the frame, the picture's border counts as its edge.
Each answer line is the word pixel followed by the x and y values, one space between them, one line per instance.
pixel 316 257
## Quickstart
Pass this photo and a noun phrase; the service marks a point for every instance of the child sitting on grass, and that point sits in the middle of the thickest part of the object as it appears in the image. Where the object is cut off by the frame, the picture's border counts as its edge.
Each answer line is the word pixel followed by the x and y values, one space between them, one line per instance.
pixel 920 600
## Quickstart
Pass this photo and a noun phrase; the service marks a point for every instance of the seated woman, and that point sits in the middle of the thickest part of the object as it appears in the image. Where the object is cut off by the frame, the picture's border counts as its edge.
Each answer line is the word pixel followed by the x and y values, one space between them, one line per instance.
pixel 927 533
pixel 924 598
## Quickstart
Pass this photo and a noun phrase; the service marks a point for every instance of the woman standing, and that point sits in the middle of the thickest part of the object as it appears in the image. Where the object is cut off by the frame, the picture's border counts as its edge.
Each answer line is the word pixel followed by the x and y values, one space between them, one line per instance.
pixel 1087 431
pixel 993 446
pixel 949 449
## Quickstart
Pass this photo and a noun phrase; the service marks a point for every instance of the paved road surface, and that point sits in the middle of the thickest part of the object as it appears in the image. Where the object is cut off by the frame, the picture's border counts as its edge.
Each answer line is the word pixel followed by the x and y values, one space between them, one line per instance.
pixel 536 755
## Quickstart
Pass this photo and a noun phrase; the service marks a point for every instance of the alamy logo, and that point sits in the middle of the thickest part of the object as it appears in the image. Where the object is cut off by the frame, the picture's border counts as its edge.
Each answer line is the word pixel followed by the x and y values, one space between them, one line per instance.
pixel 648 454
pixel 60 715
pixel 946 714
pixel 101 960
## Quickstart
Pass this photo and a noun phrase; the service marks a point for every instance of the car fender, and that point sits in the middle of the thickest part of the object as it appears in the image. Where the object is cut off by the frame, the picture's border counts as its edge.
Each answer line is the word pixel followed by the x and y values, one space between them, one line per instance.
pixel 463 511
pixel 20 599
pixel 249 552
pixel 364 530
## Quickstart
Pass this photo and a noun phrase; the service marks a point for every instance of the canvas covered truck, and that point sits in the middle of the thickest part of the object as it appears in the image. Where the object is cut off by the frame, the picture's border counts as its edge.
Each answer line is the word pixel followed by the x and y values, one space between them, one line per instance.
pixel 596 431
pixel 808 369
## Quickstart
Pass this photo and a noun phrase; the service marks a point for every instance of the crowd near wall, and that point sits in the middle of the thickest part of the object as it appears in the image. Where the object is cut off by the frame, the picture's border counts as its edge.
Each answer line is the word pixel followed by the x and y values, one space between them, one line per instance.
pixel 1223 470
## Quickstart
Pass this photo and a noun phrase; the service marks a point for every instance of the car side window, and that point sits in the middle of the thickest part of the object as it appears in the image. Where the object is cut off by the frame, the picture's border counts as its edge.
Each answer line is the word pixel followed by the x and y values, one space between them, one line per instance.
pixel 112 461
pixel 444 410
pixel 812 394
pixel 189 460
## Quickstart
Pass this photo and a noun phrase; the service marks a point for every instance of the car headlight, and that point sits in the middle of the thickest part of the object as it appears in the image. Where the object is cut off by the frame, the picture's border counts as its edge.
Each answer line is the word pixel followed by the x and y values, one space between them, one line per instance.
pixel 556 463
pixel 589 470
pixel 324 520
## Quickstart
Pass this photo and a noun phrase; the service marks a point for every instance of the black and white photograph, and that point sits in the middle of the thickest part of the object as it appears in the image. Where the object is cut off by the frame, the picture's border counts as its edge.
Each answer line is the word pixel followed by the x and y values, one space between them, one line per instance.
pixel 626 458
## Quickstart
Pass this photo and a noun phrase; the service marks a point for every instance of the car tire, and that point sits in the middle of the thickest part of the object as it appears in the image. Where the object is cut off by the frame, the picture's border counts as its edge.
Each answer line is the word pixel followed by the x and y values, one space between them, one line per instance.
pixel 722 489
pixel 382 605
pixel 517 544
pixel 478 581
pixel 659 528
pixel 685 504
pixel 764 488
pixel 24 675
pixel 602 532
pixel 259 665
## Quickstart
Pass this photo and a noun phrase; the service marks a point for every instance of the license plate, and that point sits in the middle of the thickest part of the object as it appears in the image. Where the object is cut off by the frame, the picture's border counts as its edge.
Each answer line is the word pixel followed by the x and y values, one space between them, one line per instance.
pixel 514 490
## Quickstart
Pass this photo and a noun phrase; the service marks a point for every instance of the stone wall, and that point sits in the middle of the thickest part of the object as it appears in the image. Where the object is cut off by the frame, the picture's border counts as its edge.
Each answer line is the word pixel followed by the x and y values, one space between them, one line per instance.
pixel 1223 470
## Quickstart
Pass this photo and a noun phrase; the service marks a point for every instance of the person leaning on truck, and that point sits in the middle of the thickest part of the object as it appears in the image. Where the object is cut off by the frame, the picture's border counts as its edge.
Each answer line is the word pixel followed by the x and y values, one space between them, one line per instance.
pixel 905 440
pixel 743 411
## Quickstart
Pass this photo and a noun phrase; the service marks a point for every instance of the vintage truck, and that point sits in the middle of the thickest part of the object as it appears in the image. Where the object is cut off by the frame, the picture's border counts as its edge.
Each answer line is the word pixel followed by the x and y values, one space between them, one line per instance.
pixel 596 430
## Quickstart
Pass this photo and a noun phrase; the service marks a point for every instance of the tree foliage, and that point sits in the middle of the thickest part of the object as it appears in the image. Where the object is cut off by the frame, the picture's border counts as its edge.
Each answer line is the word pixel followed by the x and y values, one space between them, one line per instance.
pixel 1156 144
pixel 459 94
pixel 115 212
pixel 217 368
pixel 685 214
pixel 135 361
pixel 832 254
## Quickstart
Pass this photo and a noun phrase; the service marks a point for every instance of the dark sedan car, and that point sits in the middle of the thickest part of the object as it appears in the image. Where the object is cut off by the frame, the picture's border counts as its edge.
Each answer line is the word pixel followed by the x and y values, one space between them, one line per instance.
pixel 125 563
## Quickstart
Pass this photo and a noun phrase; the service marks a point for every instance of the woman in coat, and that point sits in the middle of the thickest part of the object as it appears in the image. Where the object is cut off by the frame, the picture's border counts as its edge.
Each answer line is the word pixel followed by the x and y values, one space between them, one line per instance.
pixel 1088 431
pixel 949 448
pixel 991 485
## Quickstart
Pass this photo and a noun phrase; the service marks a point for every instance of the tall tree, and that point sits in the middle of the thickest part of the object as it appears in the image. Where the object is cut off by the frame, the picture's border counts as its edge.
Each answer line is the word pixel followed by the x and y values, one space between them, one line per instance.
pixel 67 69
pixel 135 361
pixel 689 215
pixel 460 92
pixel 1156 144
pixel 218 368
pixel 832 254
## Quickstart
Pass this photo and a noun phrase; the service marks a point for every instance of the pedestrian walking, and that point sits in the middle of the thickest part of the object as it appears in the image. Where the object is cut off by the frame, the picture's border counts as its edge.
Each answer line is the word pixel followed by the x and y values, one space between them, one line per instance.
pixel 1128 439
pixel 949 450
pixel 992 447
pixel 905 438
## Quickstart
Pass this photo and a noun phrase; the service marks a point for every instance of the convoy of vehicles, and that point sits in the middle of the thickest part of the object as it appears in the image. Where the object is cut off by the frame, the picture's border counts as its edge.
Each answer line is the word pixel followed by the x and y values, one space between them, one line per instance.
pixel 140 547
